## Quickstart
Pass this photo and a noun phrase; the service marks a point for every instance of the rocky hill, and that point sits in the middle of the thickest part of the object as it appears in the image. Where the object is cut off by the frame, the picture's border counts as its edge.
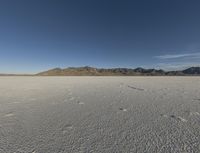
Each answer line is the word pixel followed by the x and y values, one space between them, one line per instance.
pixel 91 71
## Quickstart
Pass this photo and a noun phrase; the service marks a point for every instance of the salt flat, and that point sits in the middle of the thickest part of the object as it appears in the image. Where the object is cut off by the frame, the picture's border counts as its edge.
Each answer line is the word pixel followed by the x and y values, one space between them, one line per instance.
pixel 99 114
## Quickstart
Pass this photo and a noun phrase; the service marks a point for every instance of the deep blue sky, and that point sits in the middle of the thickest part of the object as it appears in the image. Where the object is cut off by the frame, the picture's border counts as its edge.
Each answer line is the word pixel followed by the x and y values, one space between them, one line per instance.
pixel 36 35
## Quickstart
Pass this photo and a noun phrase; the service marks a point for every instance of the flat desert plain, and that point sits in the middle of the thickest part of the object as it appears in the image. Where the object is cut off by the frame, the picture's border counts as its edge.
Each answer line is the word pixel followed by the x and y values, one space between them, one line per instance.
pixel 99 114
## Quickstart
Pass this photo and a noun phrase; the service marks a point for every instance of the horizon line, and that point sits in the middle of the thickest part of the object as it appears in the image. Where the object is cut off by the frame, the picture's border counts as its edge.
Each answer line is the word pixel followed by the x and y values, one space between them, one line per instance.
pixel 34 73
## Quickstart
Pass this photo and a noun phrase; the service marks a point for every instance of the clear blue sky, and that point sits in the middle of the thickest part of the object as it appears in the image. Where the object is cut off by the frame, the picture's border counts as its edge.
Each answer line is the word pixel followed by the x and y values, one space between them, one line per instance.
pixel 36 35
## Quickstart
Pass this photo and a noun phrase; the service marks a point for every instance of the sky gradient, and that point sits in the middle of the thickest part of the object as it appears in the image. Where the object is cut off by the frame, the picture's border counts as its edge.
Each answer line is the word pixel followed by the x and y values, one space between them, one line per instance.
pixel 37 35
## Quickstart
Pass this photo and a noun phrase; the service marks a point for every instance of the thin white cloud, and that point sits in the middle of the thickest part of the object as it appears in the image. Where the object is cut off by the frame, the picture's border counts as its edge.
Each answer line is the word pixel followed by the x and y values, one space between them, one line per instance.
pixel 175 56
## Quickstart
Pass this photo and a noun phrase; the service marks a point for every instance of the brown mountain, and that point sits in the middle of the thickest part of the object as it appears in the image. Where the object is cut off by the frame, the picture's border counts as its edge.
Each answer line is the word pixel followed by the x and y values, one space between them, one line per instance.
pixel 90 71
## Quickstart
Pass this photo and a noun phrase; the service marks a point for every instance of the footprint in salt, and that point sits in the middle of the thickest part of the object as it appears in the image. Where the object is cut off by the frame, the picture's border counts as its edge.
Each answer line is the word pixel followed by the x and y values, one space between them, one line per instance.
pixel 66 128
pixel 181 119
pixel 123 109
pixel 80 103
pixel 9 115
pixel 164 115
pixel 195 113
pixel 172 116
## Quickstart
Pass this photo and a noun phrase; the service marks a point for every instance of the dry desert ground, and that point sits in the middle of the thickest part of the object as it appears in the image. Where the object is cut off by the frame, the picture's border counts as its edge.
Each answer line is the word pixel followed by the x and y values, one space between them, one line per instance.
pixel 99 114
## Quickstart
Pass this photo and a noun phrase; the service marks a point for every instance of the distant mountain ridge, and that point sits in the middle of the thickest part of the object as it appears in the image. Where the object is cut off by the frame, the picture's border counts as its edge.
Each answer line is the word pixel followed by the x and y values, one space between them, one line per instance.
pixel 91 71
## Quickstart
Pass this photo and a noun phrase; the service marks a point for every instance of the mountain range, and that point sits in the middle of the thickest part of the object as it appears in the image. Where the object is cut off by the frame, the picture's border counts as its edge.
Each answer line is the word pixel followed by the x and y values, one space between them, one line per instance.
pixel 91 71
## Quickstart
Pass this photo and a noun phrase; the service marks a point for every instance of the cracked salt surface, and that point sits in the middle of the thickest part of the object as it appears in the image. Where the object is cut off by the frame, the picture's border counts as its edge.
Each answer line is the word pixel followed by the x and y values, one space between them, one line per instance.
pixel 99 114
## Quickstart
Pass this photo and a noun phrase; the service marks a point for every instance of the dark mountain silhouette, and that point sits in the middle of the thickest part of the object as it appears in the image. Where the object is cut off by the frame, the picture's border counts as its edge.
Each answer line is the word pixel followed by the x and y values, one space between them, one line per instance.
pixel 192 70
pixel 91 71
